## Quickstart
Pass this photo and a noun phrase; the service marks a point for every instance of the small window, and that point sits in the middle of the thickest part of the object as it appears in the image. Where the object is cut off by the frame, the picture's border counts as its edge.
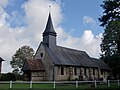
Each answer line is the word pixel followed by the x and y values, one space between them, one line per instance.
pixel 93 71
pixel 102 72
pixel 85 71
pixel 41 55
pixel 62 70
pixel 75 71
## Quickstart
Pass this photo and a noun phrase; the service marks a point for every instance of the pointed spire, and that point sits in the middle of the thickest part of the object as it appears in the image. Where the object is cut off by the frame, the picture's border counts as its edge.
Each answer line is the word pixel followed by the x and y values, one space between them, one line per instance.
pixel 49 35
pixel 49 30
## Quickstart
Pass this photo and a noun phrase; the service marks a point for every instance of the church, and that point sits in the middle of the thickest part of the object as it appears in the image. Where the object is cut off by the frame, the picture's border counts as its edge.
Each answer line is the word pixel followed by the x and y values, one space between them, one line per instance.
pixel 53 62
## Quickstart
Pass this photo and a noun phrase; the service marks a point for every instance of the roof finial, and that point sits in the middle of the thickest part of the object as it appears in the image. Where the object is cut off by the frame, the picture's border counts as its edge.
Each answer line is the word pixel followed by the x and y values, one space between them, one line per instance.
pixel 49 9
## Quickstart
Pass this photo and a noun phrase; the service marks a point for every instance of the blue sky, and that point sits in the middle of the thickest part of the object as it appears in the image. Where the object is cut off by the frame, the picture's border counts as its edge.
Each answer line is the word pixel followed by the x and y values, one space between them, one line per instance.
pixel 73 13
pixel 75 10
pixel 22 22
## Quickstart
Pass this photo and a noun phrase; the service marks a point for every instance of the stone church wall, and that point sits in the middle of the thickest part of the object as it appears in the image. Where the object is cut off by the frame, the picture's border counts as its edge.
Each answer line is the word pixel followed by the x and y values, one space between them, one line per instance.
pixel 37 76
pixel 69 73
pixel 0 66
pixel 58 75
pixel 41 54
pixel 0 69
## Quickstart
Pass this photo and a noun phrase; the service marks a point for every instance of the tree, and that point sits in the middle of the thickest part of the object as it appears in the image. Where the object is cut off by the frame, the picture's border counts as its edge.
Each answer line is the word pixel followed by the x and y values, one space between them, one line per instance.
pixel 111 11
pixel 110 45
pixel 25 52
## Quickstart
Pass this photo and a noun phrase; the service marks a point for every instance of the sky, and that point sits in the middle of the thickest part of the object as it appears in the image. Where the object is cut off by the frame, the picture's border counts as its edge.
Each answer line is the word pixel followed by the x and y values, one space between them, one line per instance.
pixel 75 21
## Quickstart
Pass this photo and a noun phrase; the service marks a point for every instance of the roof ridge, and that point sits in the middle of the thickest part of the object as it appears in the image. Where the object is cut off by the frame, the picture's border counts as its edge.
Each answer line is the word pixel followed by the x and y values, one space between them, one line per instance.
pixel 71 49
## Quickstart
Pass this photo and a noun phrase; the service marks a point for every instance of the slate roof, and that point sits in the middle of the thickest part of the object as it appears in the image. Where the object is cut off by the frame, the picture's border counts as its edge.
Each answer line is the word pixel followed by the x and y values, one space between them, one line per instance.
pixel 71 57
pixel 33 65
pixel 49 27
pixel 1 59
pixel 100 64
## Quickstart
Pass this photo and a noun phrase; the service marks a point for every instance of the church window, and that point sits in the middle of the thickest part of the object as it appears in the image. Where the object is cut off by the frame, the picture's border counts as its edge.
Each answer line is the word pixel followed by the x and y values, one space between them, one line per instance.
pixel 85 71
pixel 62 70
pixel 75 71
pixel 41 55
pixel 93 71
pixel 102 72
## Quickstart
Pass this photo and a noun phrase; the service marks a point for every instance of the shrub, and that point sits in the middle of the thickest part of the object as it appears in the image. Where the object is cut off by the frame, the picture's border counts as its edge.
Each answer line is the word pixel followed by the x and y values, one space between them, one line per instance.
pixel 19 77
pixel 8 77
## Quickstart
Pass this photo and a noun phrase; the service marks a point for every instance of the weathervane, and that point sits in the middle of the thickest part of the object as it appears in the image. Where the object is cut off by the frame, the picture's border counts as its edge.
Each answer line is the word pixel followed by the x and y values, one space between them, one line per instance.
pixel 49 8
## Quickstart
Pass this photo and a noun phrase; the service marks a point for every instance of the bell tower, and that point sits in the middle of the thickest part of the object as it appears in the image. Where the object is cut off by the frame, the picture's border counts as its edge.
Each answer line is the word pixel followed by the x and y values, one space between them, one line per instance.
pixel 49 35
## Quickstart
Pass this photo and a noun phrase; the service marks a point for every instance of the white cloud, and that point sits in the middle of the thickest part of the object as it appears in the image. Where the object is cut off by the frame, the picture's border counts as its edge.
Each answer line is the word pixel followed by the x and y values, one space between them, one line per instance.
pixel 88 20
pixel 36 16
pixel 36 12
pixel 87 42
pixel 3 3
pixel 2 19
pixel 3 14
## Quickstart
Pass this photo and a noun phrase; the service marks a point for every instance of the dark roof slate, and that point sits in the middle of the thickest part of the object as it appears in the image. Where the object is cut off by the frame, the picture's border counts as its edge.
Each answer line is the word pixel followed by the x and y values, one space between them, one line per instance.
pixel 49 27
pixel 100 63
pixel 33 65
pixel 1 59
pixel 71 57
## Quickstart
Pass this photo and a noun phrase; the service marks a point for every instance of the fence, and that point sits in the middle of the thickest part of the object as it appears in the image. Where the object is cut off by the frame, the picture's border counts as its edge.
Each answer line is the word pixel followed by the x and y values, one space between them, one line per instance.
pixel 56 84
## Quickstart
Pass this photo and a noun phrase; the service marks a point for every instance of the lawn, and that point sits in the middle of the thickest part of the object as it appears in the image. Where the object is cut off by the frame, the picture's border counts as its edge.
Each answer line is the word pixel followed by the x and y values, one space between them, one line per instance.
pixel 37 86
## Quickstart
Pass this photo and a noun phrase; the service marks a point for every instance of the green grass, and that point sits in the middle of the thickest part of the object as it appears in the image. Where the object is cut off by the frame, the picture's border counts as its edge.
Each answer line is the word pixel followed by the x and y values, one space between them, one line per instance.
pixel 19 86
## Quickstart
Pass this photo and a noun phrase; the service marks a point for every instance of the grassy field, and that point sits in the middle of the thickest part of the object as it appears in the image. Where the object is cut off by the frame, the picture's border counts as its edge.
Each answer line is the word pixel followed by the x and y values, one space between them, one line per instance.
pixel 19 86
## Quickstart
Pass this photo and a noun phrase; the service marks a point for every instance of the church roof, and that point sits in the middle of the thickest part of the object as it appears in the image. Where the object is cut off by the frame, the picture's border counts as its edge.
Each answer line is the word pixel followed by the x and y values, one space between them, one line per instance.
pixel 100 63
pixel 71 57
pixel 49 27
pixel 1 59
pixel 33 65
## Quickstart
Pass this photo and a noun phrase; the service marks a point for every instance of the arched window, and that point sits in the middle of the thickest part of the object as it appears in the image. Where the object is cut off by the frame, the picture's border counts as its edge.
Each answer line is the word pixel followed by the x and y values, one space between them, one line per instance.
pixel 41 54
pixel 62 70
pixel 75 71
pixel 85 71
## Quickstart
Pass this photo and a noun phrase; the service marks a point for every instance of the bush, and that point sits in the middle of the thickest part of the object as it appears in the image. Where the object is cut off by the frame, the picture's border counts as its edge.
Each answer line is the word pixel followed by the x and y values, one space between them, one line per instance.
pixel 8 77
pixel 19 77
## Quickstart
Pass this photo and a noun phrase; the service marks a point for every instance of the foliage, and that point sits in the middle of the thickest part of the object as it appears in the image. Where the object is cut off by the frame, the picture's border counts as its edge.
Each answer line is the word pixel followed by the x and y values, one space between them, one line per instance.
pixel 111 11
pixel 19 77
pixel 8 77
pixel 25 52
pixel 110 45
pixel 111 39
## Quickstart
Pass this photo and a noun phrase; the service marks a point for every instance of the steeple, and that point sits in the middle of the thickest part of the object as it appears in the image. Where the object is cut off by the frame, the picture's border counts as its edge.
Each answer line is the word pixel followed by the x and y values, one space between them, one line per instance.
pixel 49 35
pixel 49 27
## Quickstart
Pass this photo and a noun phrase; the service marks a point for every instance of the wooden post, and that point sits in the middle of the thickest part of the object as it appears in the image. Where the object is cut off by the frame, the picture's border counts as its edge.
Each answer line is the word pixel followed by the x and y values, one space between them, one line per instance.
pixel 108 83
pixel 95 84
pixel 76 84
pixel 10 84
pixel 54 84
pixel 30 84
pixel 118 83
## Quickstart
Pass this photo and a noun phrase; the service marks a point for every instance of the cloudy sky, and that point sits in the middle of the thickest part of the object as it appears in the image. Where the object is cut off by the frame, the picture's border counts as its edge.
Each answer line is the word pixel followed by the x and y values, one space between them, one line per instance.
pixel 75 21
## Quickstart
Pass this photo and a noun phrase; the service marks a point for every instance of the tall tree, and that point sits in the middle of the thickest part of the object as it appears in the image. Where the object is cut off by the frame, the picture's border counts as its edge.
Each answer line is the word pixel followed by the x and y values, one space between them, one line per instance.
pixel 25 52
pixel 110 45
pixel 111 11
